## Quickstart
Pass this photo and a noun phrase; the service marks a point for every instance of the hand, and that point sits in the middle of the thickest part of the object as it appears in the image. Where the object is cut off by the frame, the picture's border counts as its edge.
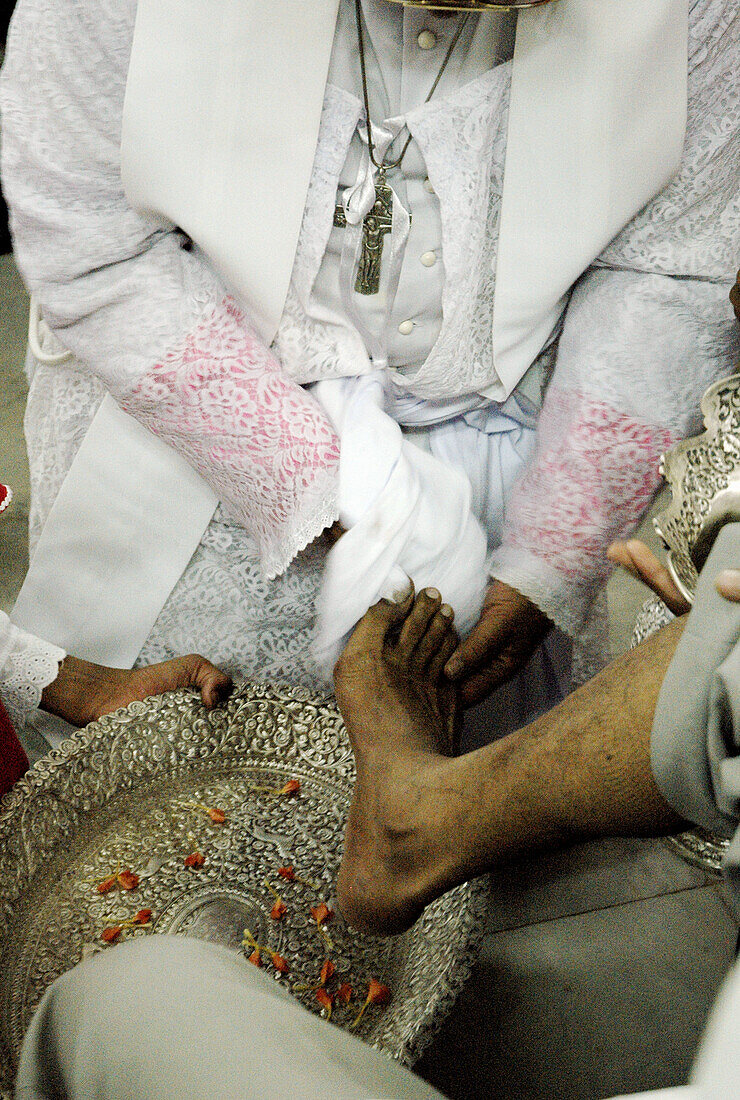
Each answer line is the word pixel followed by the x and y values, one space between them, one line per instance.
pixel 83 691
pixel 334 533
pixel 509 630
pixel 641 562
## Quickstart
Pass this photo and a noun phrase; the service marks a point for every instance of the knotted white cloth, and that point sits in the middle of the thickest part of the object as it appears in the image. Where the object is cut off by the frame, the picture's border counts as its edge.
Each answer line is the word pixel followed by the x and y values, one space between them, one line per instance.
pixel 408 516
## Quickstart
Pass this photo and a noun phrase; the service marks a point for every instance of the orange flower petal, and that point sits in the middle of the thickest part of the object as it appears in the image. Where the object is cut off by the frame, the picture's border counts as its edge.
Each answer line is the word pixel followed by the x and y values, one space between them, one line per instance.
pixel 143 916
pixel 195 859
pixel 255 958
pixel 287 873
pixel 293 786
pixel 279 963
pixel 106 885
pixel 216 815
pixel 325 1000
pixel 112 933
pixel 377 993
pixel 322 913
pixel 127 880
pixel 278 910
pixel 327 971
pixel 344 993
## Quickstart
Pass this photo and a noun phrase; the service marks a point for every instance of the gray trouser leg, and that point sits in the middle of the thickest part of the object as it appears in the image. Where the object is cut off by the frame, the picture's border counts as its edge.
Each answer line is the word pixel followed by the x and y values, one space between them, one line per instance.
pixel 167 1018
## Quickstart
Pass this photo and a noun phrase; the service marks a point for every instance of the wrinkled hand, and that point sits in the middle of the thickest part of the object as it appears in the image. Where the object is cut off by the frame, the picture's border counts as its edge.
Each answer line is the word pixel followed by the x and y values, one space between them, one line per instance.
pixel 509 630
pixel 83 691
pixel 639 560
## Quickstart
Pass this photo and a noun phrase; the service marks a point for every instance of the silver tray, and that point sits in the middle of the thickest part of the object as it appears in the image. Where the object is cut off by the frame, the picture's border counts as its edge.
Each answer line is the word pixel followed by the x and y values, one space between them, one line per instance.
pixel 122 792
pixel 700 471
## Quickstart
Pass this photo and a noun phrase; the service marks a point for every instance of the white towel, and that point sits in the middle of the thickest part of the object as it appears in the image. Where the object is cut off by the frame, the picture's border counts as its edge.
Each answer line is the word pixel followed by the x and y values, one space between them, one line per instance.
pixel 407 514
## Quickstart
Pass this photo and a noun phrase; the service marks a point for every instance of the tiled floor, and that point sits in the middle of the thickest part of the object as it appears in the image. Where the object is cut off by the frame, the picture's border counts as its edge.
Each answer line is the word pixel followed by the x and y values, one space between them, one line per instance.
pixel 598 964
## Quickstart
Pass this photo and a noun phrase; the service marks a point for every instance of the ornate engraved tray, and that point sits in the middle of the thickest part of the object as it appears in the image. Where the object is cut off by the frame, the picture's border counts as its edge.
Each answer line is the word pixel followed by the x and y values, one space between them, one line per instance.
pixel 700 471
pixel 131 791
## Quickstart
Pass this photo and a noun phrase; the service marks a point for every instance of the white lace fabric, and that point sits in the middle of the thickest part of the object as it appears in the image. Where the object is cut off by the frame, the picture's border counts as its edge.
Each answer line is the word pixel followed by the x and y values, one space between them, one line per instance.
pixel 647 328
pixel 610 412
pixel 27 666
pixel 269 453
pixel 462 139
pixel 140 311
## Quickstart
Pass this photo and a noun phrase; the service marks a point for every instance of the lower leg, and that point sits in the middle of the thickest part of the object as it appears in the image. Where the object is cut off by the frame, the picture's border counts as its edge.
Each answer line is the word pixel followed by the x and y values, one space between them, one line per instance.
pixel 422 822
pixel 579 772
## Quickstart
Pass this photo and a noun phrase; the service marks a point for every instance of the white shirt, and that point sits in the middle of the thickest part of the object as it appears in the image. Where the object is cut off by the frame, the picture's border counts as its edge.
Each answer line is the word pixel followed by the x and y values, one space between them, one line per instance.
pixel 404 50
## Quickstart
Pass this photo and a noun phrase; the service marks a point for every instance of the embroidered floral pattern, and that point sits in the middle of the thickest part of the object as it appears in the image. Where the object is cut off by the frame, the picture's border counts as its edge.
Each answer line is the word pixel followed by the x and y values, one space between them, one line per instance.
pixel 262 443
pixel 595 472
pixel 27 666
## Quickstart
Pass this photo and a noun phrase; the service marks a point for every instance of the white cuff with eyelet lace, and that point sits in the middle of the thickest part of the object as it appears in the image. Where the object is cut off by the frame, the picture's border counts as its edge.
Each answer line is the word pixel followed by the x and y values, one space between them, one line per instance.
pixel 27 666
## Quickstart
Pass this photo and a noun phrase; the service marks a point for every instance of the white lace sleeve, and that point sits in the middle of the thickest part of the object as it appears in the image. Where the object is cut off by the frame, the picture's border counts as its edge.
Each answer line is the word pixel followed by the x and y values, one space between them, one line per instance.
pixel 636 354
pixel 646 331
pixel 27 666
pixel 133 302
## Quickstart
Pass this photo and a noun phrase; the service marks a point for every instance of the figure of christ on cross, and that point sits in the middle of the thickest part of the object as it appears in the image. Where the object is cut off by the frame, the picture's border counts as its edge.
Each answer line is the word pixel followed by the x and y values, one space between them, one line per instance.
pixel 376 225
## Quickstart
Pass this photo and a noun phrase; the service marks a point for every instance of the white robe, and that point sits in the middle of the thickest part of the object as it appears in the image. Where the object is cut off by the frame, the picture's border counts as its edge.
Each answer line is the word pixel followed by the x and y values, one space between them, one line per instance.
pixel 135 307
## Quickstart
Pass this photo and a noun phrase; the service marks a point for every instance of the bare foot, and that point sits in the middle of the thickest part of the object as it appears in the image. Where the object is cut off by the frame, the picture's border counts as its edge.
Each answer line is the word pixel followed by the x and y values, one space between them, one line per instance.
pixel 400 712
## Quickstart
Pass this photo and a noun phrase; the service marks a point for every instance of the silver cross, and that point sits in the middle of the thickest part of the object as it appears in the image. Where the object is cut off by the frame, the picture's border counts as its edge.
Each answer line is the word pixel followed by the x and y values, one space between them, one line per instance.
pixel 377 223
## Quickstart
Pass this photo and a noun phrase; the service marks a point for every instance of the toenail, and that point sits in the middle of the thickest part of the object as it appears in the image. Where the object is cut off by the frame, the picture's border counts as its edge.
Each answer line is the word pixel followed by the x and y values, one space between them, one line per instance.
pixel 453 668
pixel 446 610
pixel 402 594
pixel 431 593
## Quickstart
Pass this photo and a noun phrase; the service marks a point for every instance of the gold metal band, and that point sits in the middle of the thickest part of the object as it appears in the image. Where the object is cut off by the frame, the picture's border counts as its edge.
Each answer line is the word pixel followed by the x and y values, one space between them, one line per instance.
pixel 472 5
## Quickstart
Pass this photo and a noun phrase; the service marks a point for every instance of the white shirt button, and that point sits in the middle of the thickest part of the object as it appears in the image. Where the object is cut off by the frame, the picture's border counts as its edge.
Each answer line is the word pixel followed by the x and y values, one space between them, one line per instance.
pixel 428 186
pixel 427 40
pixel 406 328
pixel 429 259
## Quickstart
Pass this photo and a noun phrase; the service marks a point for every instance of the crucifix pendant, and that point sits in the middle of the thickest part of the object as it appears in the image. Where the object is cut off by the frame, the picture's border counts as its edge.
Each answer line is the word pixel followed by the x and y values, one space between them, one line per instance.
pixel 378 222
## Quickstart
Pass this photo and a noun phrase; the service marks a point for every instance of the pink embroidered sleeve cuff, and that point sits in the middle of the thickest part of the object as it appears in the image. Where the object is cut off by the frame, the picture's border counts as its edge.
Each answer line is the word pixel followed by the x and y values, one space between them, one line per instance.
pixel 261 442
pixel 593 475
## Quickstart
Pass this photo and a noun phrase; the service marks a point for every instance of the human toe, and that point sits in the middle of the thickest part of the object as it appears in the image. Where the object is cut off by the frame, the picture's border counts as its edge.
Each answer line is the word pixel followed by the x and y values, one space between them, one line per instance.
pixel 416 624
pixel 447 647
pixel 433 639
pixel 371 632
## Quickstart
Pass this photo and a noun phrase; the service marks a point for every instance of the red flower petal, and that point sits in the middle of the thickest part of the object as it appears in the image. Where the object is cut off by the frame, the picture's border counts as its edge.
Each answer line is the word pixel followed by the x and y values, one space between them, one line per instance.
pixel 327 972
pixel 143 916
pixel 279 963
pixel 255 958
pixel 293 786
pixel 278 910
pixel 322 913
pixel 377 993
pixel 127 880
pixel 112 933
pixel 195 859
pixel 106 885
pixel 325 1000
pixel 344 993
pixel 287 873
pixel 216 815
